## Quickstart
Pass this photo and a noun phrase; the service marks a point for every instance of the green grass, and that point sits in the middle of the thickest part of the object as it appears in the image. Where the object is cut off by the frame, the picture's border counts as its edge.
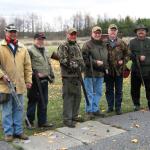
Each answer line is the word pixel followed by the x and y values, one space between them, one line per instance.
pixel 55 101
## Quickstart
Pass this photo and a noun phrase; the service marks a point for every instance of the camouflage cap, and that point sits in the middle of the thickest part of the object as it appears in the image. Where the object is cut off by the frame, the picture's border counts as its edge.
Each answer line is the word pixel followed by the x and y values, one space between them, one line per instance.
pixel 96 28
pixel 140 26
pixel 71 30
pixel 111 26
pixel 10 27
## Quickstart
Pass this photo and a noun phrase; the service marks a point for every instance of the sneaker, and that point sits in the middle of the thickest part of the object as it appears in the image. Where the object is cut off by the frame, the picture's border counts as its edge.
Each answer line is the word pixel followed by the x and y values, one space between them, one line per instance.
pixel 46 125
pixel 98 114
pixel 21 136
pixel 136 108
pixel 8 138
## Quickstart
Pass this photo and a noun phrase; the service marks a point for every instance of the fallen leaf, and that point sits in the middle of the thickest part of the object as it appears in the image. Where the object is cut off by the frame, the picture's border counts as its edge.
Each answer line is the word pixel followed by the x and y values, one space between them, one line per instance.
pixel 63 148
pixel 134 141
pixel 50 141
pixel 136 125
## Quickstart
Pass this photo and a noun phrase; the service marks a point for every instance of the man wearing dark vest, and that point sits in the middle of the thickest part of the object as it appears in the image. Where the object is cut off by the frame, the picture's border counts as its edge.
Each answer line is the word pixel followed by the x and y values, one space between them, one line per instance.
pixel 42 73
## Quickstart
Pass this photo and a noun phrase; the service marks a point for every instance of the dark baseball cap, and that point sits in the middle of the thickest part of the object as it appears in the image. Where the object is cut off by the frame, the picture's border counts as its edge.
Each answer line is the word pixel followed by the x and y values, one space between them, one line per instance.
pixel 40 35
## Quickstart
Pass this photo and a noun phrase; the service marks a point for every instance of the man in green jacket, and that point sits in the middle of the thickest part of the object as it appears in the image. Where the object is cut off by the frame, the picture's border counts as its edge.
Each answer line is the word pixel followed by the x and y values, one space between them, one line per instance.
pixel 42 73
pixel 70 60
pixel 140 70
pixel 94 54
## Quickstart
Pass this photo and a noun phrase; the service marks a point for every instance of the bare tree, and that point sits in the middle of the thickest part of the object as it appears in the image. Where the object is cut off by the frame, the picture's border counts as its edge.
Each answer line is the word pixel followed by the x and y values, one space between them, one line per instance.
pixel 2 26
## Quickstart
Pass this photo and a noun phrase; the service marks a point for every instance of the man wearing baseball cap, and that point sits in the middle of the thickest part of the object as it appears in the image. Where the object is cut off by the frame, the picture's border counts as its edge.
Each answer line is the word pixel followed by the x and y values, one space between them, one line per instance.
pixel 140 70
pixel 70 60
pixel 16 69
pixel 94 54
pixel 117 58
pixel 42 73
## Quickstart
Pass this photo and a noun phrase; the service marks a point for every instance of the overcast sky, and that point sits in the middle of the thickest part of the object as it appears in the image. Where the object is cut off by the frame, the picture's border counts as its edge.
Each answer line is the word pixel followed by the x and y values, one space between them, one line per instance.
pixel 52 9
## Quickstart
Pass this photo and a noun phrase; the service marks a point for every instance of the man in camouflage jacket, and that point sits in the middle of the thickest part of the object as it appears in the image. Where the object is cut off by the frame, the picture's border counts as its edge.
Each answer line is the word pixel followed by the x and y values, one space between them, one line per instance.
pixel 70 58
pixel 117 58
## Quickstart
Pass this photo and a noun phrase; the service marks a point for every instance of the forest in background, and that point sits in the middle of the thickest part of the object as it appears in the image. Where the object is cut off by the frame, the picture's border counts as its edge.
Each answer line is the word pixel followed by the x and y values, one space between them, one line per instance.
pixel 28 24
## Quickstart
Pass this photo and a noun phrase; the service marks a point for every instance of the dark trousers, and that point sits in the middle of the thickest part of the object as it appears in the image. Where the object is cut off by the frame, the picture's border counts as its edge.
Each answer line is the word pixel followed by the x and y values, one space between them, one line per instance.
pixel 34 100
pixel 136 86
pixel 114 91
pixel 71 98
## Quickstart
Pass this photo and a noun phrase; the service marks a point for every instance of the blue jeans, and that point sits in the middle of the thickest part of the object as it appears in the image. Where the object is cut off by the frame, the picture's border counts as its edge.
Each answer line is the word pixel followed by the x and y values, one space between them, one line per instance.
pixel 114 91
pixel 93 96
pixel 12 116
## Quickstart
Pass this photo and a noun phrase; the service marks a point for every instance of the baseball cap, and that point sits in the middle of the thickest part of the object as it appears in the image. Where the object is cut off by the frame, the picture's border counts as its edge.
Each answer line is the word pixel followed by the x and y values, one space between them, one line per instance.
pixel 96 28
pixel 40 35
pixel 10 27
pixel 71 30
pixel 111 26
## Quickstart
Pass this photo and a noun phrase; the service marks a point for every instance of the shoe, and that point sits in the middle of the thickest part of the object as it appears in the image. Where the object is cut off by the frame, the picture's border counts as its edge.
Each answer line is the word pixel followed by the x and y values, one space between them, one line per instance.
pixel 21 136
pixel 46 125
pixel 8 138
pixel 109 110
pixel 98 114
pixel 78 119
pixel 118 112
pixel 90 115
pixel 70 124
pixel 136 108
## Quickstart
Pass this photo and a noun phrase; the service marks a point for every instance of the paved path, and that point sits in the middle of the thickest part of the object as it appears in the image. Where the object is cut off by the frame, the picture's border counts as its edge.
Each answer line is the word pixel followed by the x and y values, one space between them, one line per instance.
pixel 130 131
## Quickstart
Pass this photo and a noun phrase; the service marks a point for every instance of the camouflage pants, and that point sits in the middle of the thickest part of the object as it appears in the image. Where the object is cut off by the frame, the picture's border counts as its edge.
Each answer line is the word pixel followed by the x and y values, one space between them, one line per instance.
pixel 71 98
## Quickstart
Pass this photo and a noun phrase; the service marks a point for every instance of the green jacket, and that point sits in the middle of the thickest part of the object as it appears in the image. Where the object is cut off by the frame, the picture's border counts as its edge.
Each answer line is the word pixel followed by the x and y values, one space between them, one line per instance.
pixel 69 52
pixel 40 61
pixel 117 50
pixel 140 47
pixel 98 51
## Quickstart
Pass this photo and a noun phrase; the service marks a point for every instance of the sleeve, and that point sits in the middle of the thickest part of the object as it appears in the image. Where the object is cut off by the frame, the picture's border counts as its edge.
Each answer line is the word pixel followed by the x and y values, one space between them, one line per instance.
pixel 63 55
pixel 132 55
pixel 27 67
pixel 126 53
pixel 2 73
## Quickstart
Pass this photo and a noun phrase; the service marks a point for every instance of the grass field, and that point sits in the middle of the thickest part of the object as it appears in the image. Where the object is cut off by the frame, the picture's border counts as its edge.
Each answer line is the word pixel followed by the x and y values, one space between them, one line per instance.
pixel 55 100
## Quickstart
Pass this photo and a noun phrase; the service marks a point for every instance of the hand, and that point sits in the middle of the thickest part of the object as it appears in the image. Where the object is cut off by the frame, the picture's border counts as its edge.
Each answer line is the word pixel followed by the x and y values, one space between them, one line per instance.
pixel 142 58
pixel 120 62
pixel 73 64
pixel 28 85
pixel 99 63
pixel 5 78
